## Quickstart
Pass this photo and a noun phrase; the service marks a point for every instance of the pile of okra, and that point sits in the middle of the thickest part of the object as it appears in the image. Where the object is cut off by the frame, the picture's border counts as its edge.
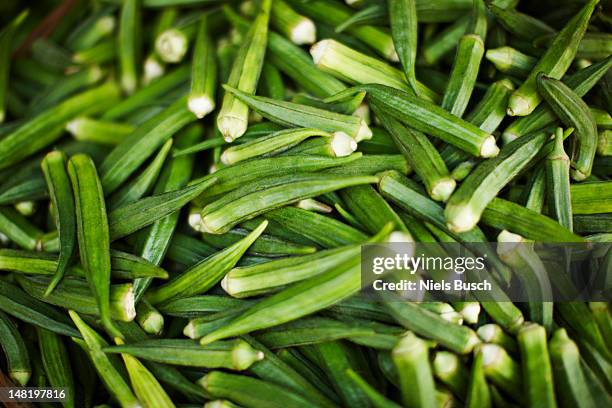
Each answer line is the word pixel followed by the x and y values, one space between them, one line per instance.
pixel 185 186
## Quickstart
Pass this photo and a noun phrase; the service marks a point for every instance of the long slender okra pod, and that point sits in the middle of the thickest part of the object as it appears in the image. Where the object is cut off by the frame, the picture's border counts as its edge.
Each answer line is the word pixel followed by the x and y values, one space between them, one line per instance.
pixel 92 229
pixel 478 393
pixel 6 39
pixel 201 99
pixel 558 183
pixel 54 355
pixel 299 29
pixel 232 119
pixel 129 44
pixel 537 371
pixel 554 62
pixel 15 352
pixel 60 192
pixel 411 357
pixel 404 25
pixel 572 110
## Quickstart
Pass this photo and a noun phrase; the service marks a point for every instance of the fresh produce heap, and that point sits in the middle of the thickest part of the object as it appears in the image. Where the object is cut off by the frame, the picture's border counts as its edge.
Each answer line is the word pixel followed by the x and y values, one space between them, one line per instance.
pixel 185 186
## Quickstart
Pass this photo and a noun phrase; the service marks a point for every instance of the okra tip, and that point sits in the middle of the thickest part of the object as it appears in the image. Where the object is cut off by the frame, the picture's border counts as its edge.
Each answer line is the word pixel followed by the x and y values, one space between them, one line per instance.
pixel 200 105
pixel 443 189
pixel 243 355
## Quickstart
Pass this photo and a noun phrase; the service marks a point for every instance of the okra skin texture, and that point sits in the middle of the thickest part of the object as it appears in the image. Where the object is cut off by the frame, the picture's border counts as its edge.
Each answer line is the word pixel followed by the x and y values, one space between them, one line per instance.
pixel 463 76
pixel 377 400
pixel 15 352
pixel 431 119
pixel 128 43
pixel 478 392
pixel 422 157
pixel 43 129
pixel 60 192
pixel 92 231
pixel 6 38
pixel 201 99
pixel 537 370
pixel 558 183
pixel 404 31
pixel 591 198
pixel 511 61
pixel 553 63
pixel 467 204
pixel 574 112
pixel 411 358
pixel 54 355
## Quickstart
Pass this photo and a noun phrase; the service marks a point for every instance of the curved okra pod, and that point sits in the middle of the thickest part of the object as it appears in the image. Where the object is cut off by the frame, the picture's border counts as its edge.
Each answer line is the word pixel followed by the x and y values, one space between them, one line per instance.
pixel 15 352
pixel 555 61
pixel 465 207
pixel 92 232
pixel 428 118
pixel 404 25
pixel 421 155
pixel 232 119
pixel 537 371
pixel 60 192
pixel 573 112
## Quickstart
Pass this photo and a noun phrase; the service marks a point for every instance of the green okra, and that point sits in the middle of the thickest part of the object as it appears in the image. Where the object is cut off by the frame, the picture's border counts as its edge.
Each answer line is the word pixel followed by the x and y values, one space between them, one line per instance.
pixel 466 205
pixel 374 14
pixel 92 231
pixel 106 366
pixel 146 387
pixel 54 356
pixel 201 99
pixel 470 51
pixel 511 61
pixel 251 391
pixel 6 38
pixel 133 190
pixel 448 368
pixel 567 371
pixel 196 306
pixel 15 351
pixel 41 130
pixel 602 316
pixel 143 96
pixel 134 216
pixel 422 157
pixel 20 305
pixel 503 214
pixel 573 112
pixel 98 25
pixel 444 42
pixel 459 339
pixel 429 118
pixel 493 333
pixel 520 24
pixel 555 61
pixel 558 183
pixel 295 115
pixel 299 29
pixel 124 159
pixel 266 245
pixel 312 295
pixel 98 131
pixel 411 358
pixel 149 318
pixel 74 293
pixel 470 310
pixel 269 276
pixel 377 400
pixel 269 145
pixel 358 68
pixel 219 220
pixel 172 37
pixel 602 118
pixel 334 14
pixel 205 274
pixel 324 231
pixel 368 206
pixel 478 391
pixel 272 84
pixel 128 43
pixel 233 354
pixel 19 229
pixel 339 144
pixel 536 191
pixel 501 370
pixel 404 31
pixel 581 82
pixel 232 119
pixel 198 147
pixel 537 370
pixel 60 192
pixel 101 53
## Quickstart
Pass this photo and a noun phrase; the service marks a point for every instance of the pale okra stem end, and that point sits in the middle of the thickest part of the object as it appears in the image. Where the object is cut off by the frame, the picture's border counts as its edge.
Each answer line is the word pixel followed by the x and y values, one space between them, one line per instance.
pixel 471 312
pixel 518 105
pixel 126 305
pixel 461 218
pixel 190 331
pixel 443 189
pixel 20 377
pixel 364 132
pixel 152 69
pixel 152 323
pixel 231 127
pixel 342 144
pixel 489 148
pixel 200 105
pixel 171 45
pixel 243 355
pixel 304 32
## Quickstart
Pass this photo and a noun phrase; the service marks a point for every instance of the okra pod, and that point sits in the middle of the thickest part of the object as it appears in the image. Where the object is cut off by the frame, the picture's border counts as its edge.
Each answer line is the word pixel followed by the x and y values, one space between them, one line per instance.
pixel 378 400
pixel 492 333
pixel 201 99
pixel 537 370
pixel 60 192
pixel 511 61
pixel 15 352
pixel 572 110
pixel 54 356
pixel 478 391
pixel 558 183
pixel 411 358
pixel 555 61
pixel 502 370
pixel 104 132
pixel 404 25
pixel 299 29
pixel 151 320
pixel 128 43
pixel 6 39
pixel 449 369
